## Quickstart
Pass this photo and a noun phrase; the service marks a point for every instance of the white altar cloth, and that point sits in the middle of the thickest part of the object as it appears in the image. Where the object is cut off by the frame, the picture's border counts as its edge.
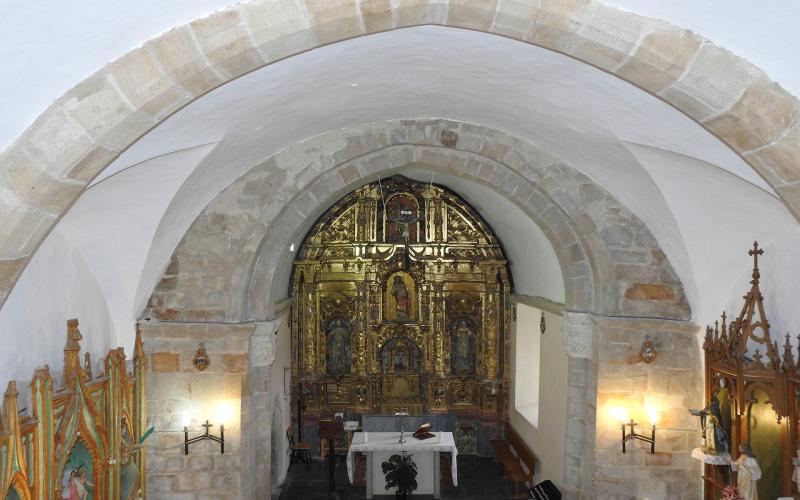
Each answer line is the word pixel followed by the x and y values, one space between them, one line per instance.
pixel 368 442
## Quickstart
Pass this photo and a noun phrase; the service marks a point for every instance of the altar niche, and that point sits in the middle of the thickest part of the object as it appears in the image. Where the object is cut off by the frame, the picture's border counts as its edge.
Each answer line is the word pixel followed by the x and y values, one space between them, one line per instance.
pixel 401 304
pixel 752 398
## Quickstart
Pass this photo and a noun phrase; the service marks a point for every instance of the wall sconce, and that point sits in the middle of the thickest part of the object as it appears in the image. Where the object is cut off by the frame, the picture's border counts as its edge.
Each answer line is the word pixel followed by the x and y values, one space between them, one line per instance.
pixel 542 324
pixel 224 413
pixel 622 416
pixel 219 439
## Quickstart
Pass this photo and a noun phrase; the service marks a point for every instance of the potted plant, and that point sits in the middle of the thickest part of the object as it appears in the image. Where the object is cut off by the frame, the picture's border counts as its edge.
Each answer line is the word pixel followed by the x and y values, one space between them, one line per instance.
pixel 401 473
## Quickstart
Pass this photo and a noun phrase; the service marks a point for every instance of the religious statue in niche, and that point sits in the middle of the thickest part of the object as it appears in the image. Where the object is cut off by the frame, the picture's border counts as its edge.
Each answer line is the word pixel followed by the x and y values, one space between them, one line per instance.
pixel 400 355
pixel 463 347
pixel 400 298
pixel 338 336
pixel 401 219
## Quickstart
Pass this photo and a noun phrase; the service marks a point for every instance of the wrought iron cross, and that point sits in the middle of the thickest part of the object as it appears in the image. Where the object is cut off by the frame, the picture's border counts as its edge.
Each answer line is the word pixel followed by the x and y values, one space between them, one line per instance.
pixel 207 426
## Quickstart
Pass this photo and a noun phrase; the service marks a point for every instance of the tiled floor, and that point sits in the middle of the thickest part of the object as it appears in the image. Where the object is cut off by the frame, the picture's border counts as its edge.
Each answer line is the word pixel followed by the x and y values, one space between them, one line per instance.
pixel 478 479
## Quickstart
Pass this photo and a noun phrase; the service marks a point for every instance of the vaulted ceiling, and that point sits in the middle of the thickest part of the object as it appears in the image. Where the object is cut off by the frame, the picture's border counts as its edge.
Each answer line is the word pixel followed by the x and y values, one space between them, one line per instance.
pixel 702 202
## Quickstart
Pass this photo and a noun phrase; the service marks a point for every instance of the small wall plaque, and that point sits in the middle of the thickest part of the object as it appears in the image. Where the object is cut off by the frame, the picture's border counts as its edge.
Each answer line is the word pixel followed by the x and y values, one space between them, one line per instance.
pixel 201 360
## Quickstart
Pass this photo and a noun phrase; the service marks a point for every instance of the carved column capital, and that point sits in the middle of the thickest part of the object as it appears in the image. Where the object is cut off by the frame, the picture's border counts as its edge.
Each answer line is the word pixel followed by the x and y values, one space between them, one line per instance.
pixel 263 343
pixel 578 334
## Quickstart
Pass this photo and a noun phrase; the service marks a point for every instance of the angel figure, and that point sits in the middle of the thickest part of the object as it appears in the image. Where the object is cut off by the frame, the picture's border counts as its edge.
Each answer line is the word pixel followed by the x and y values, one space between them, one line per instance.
pixel 749 472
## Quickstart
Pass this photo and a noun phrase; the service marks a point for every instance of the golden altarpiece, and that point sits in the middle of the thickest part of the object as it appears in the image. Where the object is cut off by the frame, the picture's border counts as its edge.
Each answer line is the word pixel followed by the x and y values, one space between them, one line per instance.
pixel 83 439
pixel 401 304
pixel 753 397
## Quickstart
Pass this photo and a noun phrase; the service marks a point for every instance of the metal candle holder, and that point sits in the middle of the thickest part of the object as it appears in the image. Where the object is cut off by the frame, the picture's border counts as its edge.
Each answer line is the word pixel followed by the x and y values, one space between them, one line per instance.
pixel 219 439
pixel 633 435
pixel 401 414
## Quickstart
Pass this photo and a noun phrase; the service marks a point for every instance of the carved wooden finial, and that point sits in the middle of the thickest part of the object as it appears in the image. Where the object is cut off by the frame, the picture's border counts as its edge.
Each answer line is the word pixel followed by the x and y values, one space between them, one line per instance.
pixel 788 356
pixel 9 407
pixel 72 351
pixel 87 366
pixel 73 336
pixel 755 252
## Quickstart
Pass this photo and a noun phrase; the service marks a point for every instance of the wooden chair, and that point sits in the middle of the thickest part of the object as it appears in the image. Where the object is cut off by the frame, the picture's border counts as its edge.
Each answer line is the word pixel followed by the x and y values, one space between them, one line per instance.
pixel 300 451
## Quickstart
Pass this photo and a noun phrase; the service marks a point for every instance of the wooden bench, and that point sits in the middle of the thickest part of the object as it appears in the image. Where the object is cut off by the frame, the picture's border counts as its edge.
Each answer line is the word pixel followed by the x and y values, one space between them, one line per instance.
pixel 517 459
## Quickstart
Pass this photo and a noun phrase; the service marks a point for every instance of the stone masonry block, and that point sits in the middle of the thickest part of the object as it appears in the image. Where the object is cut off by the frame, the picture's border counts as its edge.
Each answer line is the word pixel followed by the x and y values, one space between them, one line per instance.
pixel 514 18
pixel 472 14
pixel 661 58
pixel 140 77
pixel 779 163
pixel 334 20
pixel 377 15
pixel 226 43
pixel 418 12
pixel 715 80
pixel 183 61
pixel 763 113
pixel 165 362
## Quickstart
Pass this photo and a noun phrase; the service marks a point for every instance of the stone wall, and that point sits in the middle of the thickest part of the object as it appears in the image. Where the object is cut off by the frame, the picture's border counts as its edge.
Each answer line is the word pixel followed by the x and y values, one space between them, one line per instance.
pixel 175 388
pixel 672 383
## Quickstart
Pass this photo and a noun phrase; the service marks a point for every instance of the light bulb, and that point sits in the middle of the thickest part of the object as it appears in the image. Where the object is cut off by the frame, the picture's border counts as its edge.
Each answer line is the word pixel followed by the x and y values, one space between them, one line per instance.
pixel 186 419
pixel 224 413
pixel 652 414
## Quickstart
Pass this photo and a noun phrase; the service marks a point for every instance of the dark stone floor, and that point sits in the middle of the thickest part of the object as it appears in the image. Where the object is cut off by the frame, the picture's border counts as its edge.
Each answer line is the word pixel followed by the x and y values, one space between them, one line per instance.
pixel 478 479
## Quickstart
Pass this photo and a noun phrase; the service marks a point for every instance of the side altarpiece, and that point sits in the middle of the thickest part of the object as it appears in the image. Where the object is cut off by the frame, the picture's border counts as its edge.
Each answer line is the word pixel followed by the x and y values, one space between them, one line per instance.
pixel 82 440
pixel 753 398
pixel 401 304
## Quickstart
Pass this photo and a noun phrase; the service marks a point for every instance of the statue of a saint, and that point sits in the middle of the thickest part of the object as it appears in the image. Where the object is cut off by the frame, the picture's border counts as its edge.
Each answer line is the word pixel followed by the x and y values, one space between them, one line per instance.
pixel 338 347
pixel 400 294
pixel 715 438
pixel 796 469
pixel 748 473
pixel 462 358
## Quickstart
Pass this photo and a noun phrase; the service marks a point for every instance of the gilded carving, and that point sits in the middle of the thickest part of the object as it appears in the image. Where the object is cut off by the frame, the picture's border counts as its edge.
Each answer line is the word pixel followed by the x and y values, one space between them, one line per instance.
pixel 458 229
pixel 340 230
pixel 398 303
pixel 490 332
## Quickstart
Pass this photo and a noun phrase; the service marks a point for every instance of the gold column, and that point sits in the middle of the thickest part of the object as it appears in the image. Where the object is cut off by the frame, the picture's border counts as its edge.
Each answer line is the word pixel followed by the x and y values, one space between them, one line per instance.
pixel 437 327
pixel 310 331
pixel 360 351
pixel 490 328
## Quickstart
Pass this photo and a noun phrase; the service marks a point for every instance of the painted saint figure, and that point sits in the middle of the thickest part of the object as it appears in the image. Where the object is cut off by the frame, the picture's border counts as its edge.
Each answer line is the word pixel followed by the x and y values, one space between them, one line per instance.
pixel 75 485
pixel 748 473
pixel 400 294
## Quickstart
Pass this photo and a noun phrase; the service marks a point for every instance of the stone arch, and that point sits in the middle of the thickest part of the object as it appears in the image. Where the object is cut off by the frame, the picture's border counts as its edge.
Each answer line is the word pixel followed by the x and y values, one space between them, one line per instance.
pixel 46 168
pixel 240 233
pixel 221 270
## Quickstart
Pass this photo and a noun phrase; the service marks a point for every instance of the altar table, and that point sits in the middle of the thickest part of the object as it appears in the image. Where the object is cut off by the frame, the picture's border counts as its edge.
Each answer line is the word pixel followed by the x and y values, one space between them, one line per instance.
pixel 379 446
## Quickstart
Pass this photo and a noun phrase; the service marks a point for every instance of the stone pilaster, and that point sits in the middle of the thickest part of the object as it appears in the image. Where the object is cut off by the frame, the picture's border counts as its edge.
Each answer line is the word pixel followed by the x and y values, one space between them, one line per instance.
pixel 177 390
pixel 257 412
pixel 580 345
